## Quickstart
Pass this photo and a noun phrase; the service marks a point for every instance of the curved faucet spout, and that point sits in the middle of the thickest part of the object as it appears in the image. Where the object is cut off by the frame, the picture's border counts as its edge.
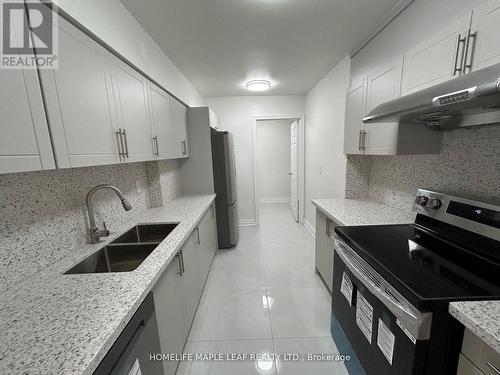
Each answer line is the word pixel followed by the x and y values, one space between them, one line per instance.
pixel 95 233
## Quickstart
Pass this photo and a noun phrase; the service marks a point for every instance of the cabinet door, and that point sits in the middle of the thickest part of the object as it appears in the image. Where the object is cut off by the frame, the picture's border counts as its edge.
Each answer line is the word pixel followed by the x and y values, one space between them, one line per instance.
pixel 436 59
pixel 179 121
pixel 24 142
pixel 79 102
pixel 208 242
pixel 484 46
pixel 321 255
pixel 383 85
pixel 169 314
pixel 355 111
pixel 167 140
pixel 131 99
pixel 191 285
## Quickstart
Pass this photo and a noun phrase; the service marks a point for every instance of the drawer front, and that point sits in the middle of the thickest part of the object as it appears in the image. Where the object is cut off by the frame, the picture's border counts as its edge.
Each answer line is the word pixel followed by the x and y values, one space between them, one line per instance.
pixel 465 367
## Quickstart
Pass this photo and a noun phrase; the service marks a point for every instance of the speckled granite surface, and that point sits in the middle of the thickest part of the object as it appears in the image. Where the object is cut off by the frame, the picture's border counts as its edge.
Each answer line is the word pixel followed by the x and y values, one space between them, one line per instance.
pixel 65 324
pixel 481 317
pixel 362 212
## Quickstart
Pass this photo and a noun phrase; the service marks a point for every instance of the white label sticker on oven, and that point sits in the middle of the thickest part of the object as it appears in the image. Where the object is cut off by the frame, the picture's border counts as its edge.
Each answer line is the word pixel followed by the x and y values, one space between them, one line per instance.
pixel 385 340
pixel 364 316
pixel 405 330
pixel 346 288
pixel 136 368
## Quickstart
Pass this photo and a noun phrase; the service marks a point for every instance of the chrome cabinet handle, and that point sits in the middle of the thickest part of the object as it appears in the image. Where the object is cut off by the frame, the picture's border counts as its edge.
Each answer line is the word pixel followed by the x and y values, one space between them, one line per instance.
pixel 182 262
pixel 197 229
pixel 327 232
pixel 468 65
pixel 119 139
pixel 359 139
pixel 363 140
pixel 126 144
pixel 456 69
pixel 155 139
pixel 493 367
pixel 179 265
pixel 184 147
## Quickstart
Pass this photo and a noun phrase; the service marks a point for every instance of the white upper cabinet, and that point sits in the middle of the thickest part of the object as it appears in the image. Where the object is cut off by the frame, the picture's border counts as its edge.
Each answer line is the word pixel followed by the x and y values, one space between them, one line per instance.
pixel 24 141
pixel 382 85
pixel 131 101
pixel 164 141
pixel 169 124
pixel 484 37
pixel 355 111
pixel 436 59
pixel 179 122
pixel 79 102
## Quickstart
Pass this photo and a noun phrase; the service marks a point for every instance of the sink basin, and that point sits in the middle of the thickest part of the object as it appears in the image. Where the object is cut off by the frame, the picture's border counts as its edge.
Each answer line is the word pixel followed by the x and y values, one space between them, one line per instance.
pixel 154 233
pixel 127 252
pixel 114 258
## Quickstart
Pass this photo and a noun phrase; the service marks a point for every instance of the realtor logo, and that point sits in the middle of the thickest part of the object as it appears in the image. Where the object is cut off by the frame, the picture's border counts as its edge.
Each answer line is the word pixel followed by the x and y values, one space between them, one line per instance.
pixel 29 35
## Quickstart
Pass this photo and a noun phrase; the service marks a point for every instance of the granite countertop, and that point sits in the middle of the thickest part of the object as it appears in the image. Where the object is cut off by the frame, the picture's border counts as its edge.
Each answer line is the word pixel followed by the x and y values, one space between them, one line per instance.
pixel 480 317
pixel 65 324
pixel 362 212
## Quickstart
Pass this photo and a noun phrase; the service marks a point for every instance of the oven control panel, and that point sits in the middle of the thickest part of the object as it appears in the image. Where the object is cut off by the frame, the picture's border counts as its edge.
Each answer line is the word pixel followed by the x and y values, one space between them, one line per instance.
pixel 478 217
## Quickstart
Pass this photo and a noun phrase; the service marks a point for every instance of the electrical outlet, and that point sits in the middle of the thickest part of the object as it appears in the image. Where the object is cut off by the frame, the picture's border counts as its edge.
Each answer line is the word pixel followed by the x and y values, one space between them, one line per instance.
pixel 138 187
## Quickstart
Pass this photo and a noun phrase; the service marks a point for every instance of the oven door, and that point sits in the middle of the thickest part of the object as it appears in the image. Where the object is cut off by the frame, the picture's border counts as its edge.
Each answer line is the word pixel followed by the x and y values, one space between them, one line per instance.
pixel 387 334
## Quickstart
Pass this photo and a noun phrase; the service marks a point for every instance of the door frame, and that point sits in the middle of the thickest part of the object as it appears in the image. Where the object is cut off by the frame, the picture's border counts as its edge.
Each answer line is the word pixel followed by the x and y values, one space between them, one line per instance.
pixel 301 172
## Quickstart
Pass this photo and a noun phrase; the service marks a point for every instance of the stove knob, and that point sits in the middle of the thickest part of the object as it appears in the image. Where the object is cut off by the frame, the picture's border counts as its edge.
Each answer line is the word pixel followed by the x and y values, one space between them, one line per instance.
pixel 434 203
pixel 421 200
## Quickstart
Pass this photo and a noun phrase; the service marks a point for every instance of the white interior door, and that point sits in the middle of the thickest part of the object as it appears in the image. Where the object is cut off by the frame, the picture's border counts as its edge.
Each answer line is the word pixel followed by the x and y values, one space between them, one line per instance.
pixel 294 161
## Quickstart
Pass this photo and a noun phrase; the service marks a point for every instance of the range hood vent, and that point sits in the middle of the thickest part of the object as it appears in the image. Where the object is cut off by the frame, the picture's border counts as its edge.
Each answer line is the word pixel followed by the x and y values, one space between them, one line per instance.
pixel 472 99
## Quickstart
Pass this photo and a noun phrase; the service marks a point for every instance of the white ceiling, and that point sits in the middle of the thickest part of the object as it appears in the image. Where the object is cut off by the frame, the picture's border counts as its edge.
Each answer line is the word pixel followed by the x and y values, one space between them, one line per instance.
pixel 220 44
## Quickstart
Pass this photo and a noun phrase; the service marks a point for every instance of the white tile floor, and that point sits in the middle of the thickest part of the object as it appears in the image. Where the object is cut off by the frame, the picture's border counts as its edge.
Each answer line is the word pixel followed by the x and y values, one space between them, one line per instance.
pixel 264 297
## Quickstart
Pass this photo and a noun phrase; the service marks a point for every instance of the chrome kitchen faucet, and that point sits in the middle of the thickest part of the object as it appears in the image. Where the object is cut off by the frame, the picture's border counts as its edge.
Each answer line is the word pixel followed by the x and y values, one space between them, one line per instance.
pixel 94 231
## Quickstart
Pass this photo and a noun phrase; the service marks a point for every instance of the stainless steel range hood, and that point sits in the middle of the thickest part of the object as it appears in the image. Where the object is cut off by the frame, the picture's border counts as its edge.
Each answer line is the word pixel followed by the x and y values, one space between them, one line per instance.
pixel 472 99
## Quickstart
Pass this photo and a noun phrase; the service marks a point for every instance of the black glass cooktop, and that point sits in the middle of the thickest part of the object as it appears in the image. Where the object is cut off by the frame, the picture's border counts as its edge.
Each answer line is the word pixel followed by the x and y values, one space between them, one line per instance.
pixel 422 266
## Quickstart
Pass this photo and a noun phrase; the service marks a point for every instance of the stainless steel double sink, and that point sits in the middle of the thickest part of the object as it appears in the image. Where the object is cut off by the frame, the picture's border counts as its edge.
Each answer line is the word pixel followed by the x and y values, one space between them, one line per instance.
pixel 127 252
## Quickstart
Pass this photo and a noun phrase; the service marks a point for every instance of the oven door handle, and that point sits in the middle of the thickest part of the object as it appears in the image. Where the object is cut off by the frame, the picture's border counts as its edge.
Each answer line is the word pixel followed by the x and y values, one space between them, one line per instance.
pixel 413 322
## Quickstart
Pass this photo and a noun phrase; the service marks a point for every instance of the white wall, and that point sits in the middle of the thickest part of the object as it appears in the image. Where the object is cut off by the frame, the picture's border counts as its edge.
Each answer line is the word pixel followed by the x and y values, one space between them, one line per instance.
pixel 416 23
pixel 325 162
pixel 235 115
pixel 112 23
pixel 273 160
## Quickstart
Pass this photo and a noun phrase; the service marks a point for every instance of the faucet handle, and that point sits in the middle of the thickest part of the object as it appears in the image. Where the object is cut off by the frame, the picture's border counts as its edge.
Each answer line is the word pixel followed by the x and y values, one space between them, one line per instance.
pixel 105 230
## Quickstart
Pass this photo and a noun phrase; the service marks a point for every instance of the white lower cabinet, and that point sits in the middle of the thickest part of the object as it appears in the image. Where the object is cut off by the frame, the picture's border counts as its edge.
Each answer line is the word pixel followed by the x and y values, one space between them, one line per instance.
pixel 324 248
pixel 191 283
pixel 208 240
pixel 477 358
pixel 178 291
pixel 169 314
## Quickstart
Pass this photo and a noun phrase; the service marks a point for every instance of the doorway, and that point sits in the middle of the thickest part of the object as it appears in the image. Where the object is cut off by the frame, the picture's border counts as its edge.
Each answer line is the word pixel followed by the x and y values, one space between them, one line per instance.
pixel 278 163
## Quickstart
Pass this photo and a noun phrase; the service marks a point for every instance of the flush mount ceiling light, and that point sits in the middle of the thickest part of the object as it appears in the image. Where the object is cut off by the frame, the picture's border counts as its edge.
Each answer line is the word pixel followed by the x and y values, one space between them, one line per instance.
pixel 258 85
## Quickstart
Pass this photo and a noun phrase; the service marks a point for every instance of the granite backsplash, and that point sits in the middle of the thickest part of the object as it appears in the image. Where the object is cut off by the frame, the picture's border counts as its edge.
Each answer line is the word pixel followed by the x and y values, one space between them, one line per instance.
pixel 44 215
pixel 468 164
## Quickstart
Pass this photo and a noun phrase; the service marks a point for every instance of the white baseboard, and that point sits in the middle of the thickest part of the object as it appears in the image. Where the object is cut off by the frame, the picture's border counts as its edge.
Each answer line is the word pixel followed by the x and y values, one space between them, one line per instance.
pixel 274 200
pixel 246 223
pixel 310 228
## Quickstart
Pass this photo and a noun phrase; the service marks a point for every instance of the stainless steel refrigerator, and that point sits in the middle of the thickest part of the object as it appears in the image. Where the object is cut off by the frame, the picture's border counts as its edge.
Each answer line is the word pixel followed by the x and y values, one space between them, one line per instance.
pixel 225 187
